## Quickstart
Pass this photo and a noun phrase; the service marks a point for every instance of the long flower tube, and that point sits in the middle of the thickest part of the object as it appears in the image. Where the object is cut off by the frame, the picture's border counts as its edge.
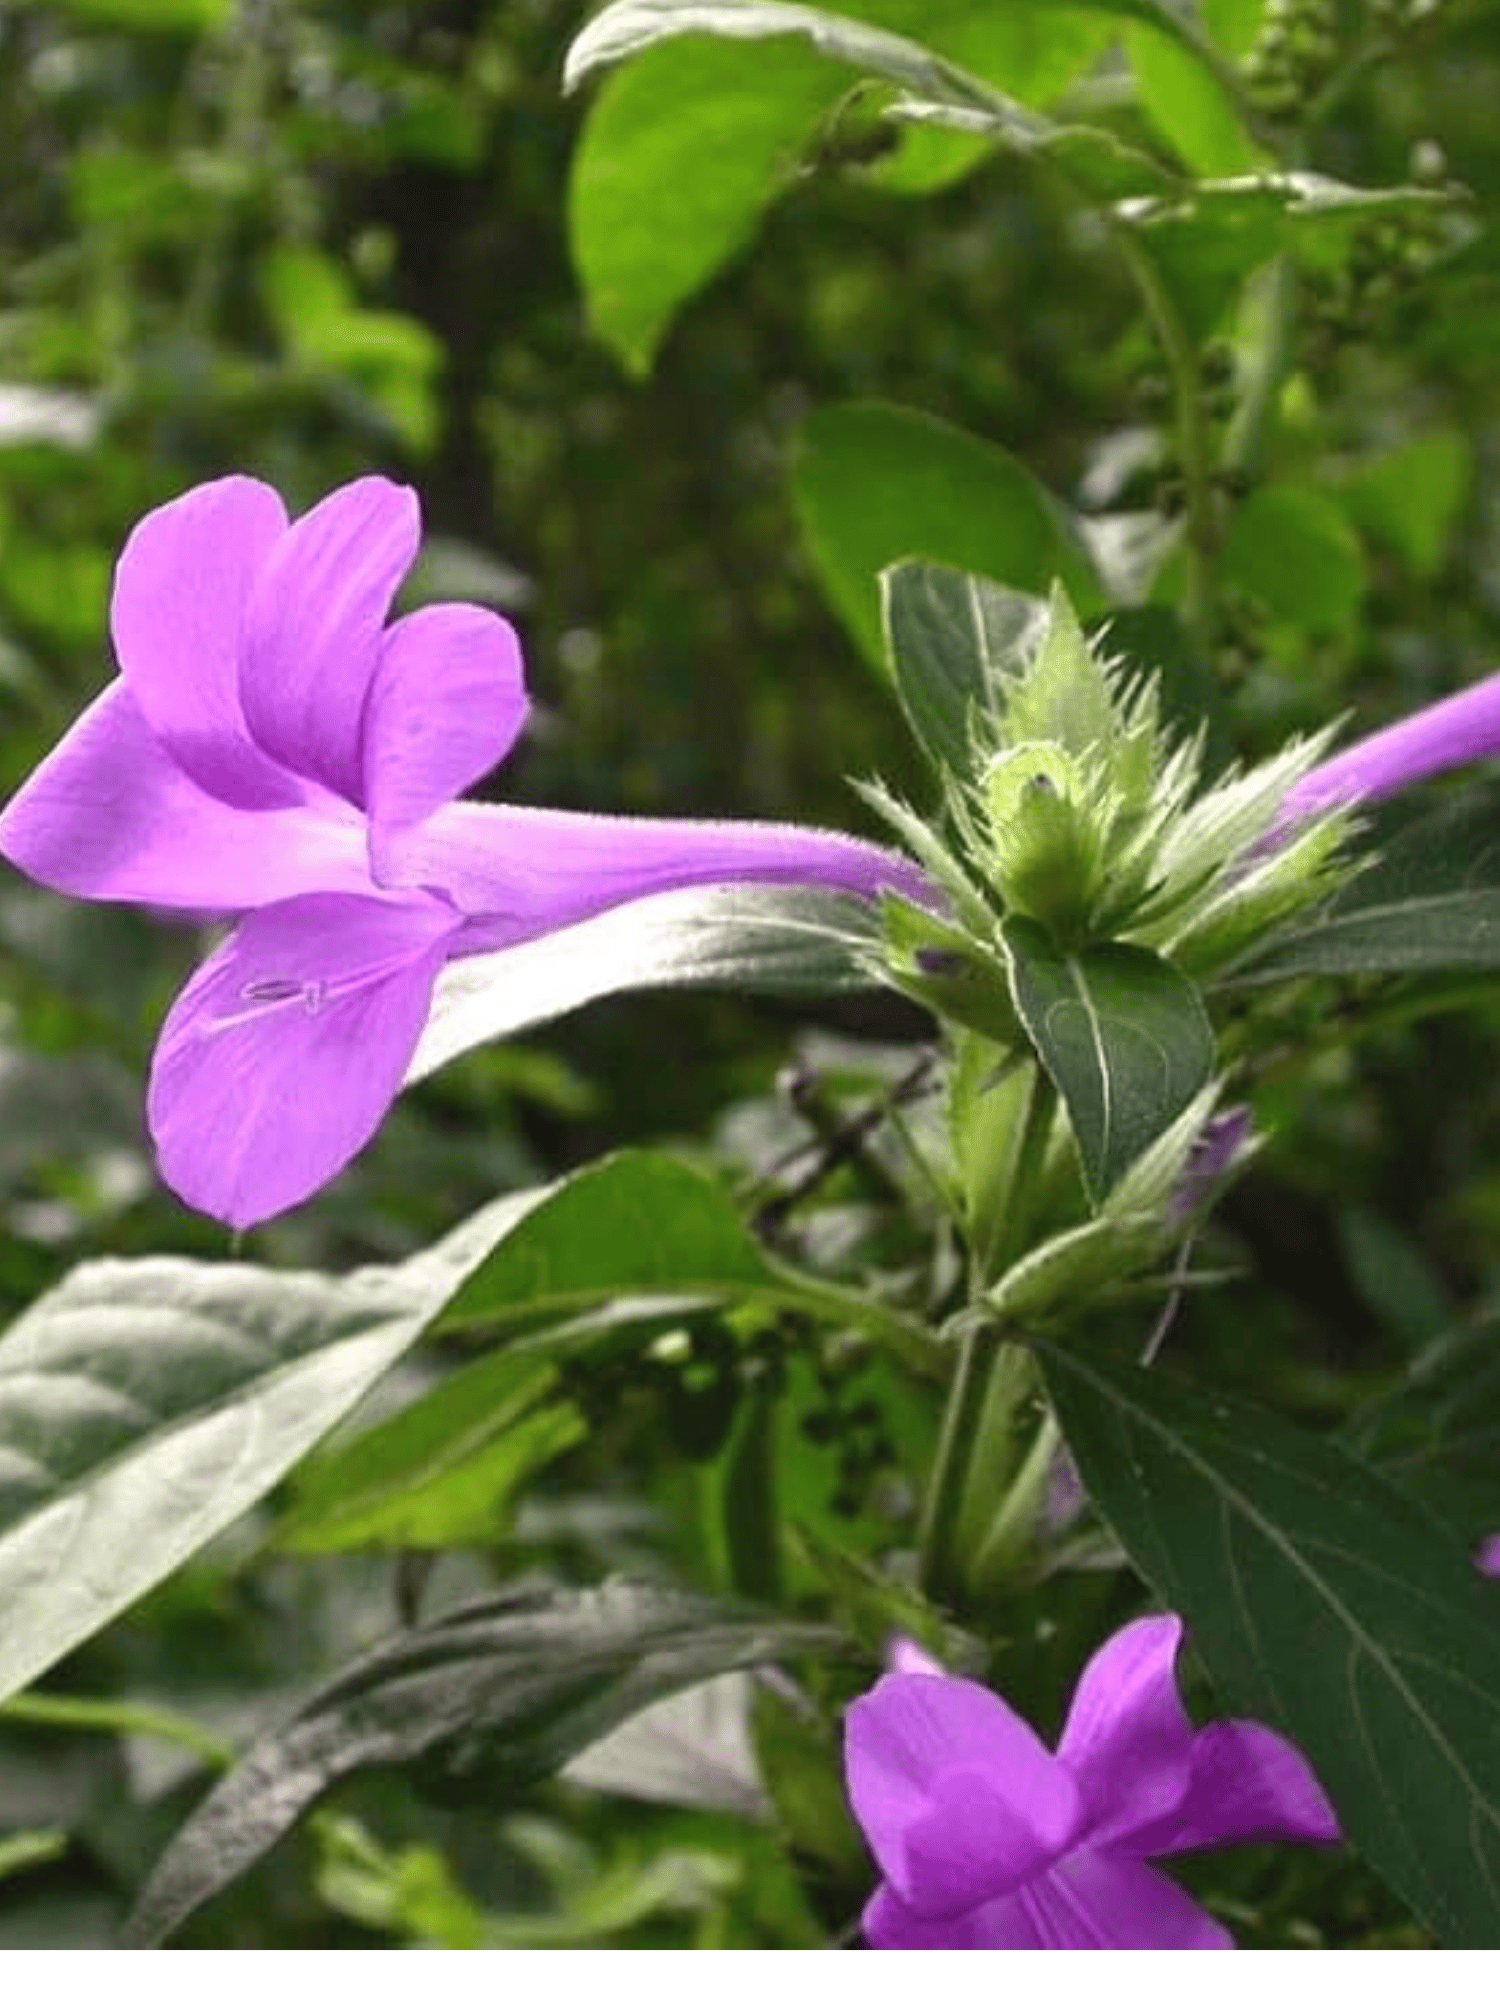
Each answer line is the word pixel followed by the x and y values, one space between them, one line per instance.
pixel 273 750
pixel 1460 729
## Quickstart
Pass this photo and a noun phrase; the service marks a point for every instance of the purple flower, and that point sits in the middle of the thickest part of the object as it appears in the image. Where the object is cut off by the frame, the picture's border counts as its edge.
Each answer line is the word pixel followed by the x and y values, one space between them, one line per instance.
pixel 1460 729
pixel 1487 1555
pixel 273 750
pixel 989 1842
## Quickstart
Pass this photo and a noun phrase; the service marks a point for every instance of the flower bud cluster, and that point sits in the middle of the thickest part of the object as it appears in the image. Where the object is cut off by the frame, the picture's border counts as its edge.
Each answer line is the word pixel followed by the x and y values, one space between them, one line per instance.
pixel 1083 811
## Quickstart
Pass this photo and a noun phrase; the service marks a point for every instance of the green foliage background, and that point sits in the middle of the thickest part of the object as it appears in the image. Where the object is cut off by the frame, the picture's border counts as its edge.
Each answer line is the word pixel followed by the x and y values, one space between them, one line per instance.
pixel 308 240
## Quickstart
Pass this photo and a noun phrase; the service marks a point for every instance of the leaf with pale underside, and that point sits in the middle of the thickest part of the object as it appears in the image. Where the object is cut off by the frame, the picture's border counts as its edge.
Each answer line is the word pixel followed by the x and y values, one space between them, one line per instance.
pixel 764 940
pixel 145 1405
pixel 478 1704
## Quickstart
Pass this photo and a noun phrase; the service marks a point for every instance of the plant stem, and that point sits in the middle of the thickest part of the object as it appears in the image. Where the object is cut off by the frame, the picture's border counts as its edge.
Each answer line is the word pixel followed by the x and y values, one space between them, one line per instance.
pixel 119 1718
pixel 1249 432
pixel 1202 539
pixel 940 1570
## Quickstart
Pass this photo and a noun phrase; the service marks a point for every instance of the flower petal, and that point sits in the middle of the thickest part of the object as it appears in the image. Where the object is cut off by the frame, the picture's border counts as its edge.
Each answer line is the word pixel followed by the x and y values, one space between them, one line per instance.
pixel 904 1656
pixel 1003 1925
pixel 1248 1783
pixel 957 1796
pixel 447 703
pixel 1128 1741
pixel 519 871
pixel 1458 730
pixel 313 625
pixel 284 1051
pixel 1487 1556
pixel 1103 1902
pixel 181 586
pixel 109 816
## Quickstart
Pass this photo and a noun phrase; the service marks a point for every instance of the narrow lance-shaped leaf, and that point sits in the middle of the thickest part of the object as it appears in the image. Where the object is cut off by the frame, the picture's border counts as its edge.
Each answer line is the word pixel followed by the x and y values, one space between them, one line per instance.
pixel 1324 1600
pixel 1123 1036
pixel 480 1703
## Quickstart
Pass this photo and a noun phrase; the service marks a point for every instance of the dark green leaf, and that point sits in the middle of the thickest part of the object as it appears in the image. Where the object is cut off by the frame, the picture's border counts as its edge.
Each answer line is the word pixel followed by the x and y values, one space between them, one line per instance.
pixel 1323 1601
pixel 1430 904
pixel 486 1700
pixel 874 483
pixel 949 639
pixel 759 939
pixel 1123 1036
pixel 1438 1435
pixel 145 1405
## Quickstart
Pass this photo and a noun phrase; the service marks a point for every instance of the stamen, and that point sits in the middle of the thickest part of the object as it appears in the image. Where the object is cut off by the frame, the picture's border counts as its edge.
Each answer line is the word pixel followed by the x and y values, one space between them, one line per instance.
pixel 264 996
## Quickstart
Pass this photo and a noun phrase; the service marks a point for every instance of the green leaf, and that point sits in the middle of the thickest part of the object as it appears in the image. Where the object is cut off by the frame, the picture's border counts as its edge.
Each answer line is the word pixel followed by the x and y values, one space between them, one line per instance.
pixel 1099 164
pixel 167 15
pixel 950 638
pixel 442 1471
pixel 1123 1036
pixel 1324 1601
pixel 760 939
pixel 1411 497
pixel 1292 549
pixel 1188 104
pixel 688 145
pixel 1430 904
pixel 480 1703
pixel 874 483
pixel 1205 240
pixel 679 157
pixel 631 26
pixel 145 1405
pixel 1436 1435
pixel 643 1227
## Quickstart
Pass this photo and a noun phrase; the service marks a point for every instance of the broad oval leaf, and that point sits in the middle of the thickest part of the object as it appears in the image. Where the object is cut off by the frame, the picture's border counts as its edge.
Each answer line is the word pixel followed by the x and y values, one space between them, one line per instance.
pixel 1324 1600
pixel 479 1703
pixel 679 157
pixel 874 482
pixel 760 939
pixel 145 1405
pixel 1123 1035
